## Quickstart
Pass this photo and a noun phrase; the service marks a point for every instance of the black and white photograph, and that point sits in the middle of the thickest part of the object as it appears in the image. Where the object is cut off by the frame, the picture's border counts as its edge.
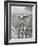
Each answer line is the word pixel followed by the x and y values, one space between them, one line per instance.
pixel 20 22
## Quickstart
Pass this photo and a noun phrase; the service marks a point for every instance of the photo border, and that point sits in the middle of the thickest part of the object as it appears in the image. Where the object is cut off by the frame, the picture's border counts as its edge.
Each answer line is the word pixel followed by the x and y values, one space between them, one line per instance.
pixel 6 23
